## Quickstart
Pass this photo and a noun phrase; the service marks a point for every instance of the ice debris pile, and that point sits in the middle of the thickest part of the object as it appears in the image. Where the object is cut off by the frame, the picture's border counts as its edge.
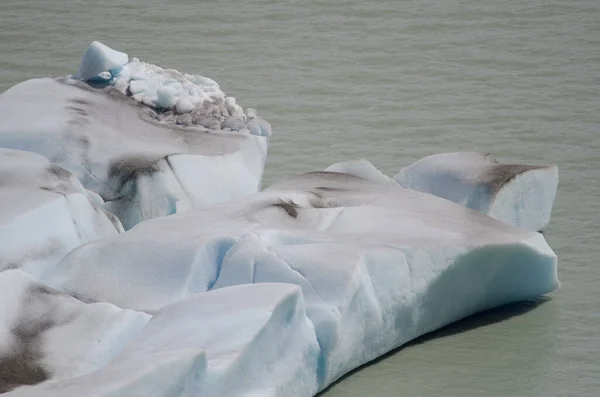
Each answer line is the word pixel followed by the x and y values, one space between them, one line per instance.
pixel 177 98
pixel 237 292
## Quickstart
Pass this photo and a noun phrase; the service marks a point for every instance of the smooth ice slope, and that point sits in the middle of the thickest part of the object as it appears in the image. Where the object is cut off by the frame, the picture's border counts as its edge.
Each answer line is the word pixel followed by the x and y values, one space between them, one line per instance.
pixel 520 195
pixel 247 340
pixel 45 335
pixel 142 168
pixel 378 264
pixel 45 213
pixel 361 168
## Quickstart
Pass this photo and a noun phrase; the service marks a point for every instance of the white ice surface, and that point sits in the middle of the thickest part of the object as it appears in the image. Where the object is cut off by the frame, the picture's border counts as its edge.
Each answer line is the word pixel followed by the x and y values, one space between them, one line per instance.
pixel 47 336
pixel 361 168
pixel 45 213
pixel 141 167
pixel 99 58
pixel 520 195
pixel 240 341
pixel 378 265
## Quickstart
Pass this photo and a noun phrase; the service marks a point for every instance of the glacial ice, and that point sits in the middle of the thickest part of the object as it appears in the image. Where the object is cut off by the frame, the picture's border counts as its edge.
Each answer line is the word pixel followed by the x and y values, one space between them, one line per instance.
pixel 177 98
pixel 45 335
pixel 520 195
pixel 277 293
pixel 244 340
pixel 45 213
pixel 378 265
pixel 141 168
pixel 361 168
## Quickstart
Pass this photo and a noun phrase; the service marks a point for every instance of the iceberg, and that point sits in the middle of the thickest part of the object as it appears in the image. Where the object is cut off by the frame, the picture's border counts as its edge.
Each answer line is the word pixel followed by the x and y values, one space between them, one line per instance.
pixel 236 292
pixel 378 265
pixel 45 213
pixel 520 195
pixel 47 336
pixel 142 168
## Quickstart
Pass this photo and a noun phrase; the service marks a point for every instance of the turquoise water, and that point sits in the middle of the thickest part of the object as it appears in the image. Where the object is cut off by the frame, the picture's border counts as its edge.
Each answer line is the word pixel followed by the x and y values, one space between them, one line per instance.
pixel 393 81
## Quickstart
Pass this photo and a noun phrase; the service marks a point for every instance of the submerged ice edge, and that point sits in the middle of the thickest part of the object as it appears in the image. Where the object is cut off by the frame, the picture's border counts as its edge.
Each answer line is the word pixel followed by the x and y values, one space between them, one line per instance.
pixel 175 97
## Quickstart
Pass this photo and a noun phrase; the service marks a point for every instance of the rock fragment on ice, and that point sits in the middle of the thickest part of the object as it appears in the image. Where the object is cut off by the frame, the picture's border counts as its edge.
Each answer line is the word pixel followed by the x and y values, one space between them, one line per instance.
pixel 100 58
pixel 45 213
pixel 520 195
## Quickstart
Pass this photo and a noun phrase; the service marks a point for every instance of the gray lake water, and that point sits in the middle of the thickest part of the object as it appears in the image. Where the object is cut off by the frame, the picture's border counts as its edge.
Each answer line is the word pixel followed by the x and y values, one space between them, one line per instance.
pixel 392 81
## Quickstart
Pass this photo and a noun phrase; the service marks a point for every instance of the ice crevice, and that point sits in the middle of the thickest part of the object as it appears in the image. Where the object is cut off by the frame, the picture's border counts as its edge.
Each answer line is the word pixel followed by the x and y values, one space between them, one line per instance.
pixel 296 271
pixel 168 161
pixel 371 288
pixel 331 221
pixel 88 171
